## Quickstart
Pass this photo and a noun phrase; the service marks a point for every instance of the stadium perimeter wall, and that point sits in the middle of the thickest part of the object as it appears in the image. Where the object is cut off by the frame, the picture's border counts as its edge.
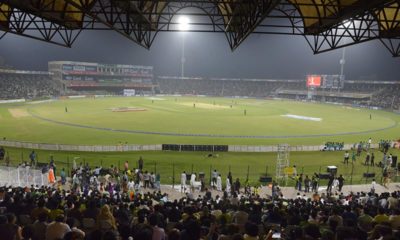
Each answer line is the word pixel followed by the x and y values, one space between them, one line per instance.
pixel 156 147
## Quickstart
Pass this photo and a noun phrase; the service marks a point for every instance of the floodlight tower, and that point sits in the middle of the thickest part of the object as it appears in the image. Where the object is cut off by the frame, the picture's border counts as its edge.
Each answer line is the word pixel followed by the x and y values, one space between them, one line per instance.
pixel 346 25
pixel 342 62
pixel 183 25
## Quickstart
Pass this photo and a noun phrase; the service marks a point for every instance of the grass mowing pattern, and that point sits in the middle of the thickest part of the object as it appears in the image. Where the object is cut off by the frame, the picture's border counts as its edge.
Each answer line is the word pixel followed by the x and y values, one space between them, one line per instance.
pixel 175 120
pixel 178 115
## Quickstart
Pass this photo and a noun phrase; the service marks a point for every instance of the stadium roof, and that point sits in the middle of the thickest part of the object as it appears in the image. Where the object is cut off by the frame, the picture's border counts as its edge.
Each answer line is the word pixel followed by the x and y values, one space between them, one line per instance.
pixel 325 24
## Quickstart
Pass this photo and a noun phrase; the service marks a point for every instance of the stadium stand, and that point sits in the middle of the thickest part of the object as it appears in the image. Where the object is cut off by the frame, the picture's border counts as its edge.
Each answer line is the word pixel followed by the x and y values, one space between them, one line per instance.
pixel 217 87
pixel 388 97
pixel 115 210
pixel 366 93
pixel 107 204
pixel 16 84
pixel 33 85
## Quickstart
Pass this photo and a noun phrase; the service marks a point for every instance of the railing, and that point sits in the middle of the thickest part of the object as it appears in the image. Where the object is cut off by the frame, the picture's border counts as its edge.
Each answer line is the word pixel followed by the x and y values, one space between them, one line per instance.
pixel 80 148
pixel 156 147
pixel 22 176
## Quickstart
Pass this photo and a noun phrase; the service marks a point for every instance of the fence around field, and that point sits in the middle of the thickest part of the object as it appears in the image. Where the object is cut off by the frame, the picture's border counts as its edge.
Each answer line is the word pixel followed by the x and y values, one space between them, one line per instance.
pixel 171 173
pixel 81 148
pixel 22 176
pixel 156 147
pixel 274 148
pixel 170 170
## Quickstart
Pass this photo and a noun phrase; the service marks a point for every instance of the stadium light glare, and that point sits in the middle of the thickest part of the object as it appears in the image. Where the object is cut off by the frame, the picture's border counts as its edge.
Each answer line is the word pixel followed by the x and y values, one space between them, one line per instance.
pixel 347 23
pixel 183 23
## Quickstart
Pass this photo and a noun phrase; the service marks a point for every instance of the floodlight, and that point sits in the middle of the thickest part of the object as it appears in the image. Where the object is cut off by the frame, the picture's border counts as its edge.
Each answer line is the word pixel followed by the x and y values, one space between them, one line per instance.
pixel 183 23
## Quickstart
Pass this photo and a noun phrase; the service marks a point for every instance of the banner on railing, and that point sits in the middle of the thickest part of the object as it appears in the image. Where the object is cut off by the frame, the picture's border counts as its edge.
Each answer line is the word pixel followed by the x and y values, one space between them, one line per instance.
pixel 168 147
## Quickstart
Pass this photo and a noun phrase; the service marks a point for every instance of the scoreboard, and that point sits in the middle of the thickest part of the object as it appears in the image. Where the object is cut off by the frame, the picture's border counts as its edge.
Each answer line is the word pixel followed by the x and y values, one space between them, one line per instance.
pixel 314 80
pixel 325 81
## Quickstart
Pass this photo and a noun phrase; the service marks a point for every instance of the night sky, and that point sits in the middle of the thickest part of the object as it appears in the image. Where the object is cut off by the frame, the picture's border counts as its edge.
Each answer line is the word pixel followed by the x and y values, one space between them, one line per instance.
pixel 208 55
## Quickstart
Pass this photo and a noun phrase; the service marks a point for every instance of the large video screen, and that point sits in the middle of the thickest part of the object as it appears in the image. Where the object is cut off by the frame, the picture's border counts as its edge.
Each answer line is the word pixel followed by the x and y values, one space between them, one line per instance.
pixel 314 80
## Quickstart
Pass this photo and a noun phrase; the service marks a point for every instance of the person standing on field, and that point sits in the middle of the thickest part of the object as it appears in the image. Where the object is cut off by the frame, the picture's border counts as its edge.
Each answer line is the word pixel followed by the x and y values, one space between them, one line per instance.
pixel 32 157
pixel 367 159
pixel 373 185
pixel 359 149
pixel 341 182
pixel 63 176
pixel 372 160
pixel 330 183
pixel 228 188
pixel 140 163
pixel 219 183
pixel 346 158
pixel 183 181
pixel 214 177
pixel 335 184
pixel 300 181
pixel 314 181
pixel 126 166
pixel 192 182
pixel 237 186
pixel 53 166
pixel 307 183
pixel 146 178
pixel 385 175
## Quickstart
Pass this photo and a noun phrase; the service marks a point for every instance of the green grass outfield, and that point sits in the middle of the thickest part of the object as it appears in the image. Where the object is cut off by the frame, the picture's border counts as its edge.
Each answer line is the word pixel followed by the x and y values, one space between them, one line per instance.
pixel 167 163
pixel 176 120
pixel 89 121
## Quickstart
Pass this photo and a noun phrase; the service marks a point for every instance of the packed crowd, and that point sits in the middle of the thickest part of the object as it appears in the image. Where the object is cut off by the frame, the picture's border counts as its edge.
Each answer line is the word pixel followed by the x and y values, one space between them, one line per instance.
pixel 213 87
pixel 382 96
pixel 362 87
pixel 112 203
pixel 15 86
pixel 30 86
pixel 384 145
pixel 49 213
pixel 109 180
pixel 388 98
pixel 333 146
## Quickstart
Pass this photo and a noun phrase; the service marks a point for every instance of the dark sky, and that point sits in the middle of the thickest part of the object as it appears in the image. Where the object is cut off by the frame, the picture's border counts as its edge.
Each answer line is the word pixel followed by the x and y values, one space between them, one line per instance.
pixel 208 55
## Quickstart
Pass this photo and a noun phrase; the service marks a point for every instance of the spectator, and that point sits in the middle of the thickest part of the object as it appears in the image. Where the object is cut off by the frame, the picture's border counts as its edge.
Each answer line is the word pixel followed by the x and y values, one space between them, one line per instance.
pixel 57 229
pixel 158 233
pixel 381 217
pixel 394 219
pixel 77 233
pixel 39 227
pixel 8 229
pixel 39 209
pixel 106 216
